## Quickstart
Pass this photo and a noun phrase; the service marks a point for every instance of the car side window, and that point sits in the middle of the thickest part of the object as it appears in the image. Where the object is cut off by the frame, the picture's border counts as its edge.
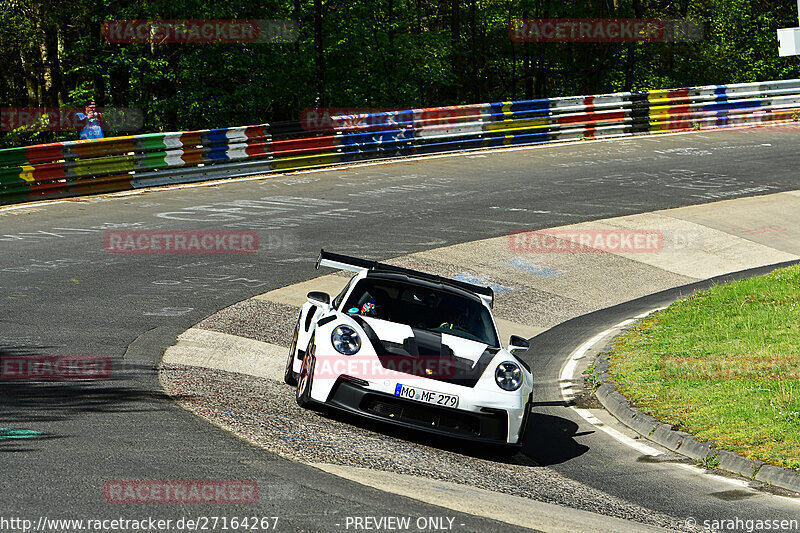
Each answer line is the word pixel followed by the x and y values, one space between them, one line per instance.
pixel 369 300
pixel 340 296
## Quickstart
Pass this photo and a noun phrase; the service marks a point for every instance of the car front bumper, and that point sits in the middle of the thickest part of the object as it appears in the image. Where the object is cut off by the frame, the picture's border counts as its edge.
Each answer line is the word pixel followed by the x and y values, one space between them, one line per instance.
pixel 488 426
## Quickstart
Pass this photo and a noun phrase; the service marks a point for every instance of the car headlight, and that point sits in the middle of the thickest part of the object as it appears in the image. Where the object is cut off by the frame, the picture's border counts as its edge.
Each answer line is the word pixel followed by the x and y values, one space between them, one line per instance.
pixel 508 376
pixel 345 340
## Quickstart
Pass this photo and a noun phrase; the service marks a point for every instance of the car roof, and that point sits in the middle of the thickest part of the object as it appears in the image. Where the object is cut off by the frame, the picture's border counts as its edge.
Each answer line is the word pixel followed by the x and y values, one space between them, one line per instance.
pixel 419 282
pixel 344 262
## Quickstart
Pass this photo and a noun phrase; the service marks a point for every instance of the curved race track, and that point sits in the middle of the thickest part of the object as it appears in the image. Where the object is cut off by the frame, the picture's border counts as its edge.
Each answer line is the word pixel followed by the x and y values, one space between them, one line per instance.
pixel 63 294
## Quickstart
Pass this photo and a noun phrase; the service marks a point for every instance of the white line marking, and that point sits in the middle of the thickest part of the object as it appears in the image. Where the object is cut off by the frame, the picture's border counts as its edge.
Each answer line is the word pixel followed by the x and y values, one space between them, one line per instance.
pixel 703 472
pixel 638 446
pixel 787 498
pixel 569 368
pixel 643 315
pixel 567 376
pixel 30 205
pixel 737 482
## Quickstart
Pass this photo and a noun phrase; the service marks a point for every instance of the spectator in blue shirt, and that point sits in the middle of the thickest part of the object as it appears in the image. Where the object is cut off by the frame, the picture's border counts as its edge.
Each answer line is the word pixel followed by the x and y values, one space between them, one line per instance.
pixel 91 123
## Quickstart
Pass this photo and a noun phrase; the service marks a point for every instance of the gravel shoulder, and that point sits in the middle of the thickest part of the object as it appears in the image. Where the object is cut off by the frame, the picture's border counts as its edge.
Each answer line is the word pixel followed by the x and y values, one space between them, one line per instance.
pixel 263 412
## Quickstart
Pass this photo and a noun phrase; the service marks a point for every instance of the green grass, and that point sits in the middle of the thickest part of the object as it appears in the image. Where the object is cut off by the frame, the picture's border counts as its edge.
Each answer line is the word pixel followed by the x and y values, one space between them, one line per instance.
pixel 723 365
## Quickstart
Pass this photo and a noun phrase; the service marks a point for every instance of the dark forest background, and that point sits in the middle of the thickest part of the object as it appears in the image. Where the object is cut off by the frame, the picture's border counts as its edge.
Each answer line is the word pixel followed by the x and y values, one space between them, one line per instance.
pixel 358 53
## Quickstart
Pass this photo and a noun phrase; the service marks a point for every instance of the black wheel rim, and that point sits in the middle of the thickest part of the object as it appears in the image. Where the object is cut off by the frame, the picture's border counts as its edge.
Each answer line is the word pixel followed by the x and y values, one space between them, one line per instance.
pixel 293 347
pixel 302 383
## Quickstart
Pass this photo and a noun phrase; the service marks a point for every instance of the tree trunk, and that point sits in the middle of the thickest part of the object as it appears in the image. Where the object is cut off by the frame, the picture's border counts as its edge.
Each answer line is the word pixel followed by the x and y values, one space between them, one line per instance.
pixel 295 96
pixel 99 89
pixel 476 81
pixel 98 83
pixel 421 98
pixel 31 85
pixel 319 59
pixel 455 23
pixel 527 66
pixel 58 70
pixel 455 37
pixel 513 58
pixel 120 84
pixel 390 72
pixel 47 71
pixel 630 52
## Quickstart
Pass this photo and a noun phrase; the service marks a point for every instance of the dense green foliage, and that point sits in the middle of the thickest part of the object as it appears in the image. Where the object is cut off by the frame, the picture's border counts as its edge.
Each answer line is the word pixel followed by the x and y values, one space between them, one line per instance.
pixel 379 53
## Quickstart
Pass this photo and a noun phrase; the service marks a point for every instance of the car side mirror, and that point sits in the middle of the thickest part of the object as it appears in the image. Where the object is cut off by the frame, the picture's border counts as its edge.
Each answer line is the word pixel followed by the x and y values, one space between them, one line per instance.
pixel 319 298
pixel 518 343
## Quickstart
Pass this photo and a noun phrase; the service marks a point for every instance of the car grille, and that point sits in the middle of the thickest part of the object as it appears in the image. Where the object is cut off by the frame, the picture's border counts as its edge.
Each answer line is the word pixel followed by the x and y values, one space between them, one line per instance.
pixel 492 425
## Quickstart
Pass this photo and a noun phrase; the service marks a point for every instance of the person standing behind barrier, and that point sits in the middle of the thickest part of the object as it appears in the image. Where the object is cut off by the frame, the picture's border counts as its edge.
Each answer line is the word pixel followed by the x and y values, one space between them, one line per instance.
pixel 91 123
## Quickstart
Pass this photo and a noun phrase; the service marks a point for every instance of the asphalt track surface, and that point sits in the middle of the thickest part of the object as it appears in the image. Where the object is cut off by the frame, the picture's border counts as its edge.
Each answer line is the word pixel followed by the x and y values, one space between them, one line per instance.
pixel 63 294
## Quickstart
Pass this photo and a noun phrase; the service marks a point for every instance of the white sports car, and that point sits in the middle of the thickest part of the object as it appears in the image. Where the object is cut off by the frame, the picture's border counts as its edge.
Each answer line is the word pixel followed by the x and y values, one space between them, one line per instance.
pixel 412 349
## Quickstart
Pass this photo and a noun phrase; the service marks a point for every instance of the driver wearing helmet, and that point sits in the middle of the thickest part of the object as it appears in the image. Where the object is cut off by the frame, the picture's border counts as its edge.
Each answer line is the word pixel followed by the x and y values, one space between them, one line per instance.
pixel 372 303
pixel 368 309
pixel 455 316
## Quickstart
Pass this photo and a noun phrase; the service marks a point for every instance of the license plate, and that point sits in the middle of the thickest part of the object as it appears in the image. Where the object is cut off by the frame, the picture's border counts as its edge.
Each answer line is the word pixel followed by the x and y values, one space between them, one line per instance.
pixel 426 396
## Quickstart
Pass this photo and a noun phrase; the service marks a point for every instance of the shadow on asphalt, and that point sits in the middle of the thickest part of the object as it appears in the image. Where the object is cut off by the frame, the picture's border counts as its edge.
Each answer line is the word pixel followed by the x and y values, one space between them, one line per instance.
pixel 550 440
pixel 24 402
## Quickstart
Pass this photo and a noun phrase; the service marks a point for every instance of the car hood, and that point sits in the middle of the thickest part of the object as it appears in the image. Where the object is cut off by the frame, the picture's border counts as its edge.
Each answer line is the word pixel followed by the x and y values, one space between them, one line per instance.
pixel 400 339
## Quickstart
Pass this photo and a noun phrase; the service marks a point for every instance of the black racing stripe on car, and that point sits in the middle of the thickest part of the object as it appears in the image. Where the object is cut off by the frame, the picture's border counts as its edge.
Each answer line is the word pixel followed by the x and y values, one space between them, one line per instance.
pixel 323 321
pixel 427 343
pixel 464 373
pixel 471 376
pixel 373 338
pixel 310 316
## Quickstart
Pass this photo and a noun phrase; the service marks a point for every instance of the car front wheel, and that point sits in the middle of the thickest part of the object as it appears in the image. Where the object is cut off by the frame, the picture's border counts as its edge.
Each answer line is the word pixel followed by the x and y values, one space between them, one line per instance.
pixel 303 394
pixel 289 375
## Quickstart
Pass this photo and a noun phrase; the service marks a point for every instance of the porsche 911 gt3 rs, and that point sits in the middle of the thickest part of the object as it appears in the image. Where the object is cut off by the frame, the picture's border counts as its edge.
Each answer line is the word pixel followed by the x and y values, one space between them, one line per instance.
pixel 413 349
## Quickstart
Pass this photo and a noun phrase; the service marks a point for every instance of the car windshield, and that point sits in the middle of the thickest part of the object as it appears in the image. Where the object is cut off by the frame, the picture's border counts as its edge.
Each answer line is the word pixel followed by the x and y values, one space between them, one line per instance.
pixel 423 308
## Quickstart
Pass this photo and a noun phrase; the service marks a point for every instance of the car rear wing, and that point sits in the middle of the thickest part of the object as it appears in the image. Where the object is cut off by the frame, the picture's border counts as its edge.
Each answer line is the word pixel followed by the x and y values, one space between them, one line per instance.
pixel 354 264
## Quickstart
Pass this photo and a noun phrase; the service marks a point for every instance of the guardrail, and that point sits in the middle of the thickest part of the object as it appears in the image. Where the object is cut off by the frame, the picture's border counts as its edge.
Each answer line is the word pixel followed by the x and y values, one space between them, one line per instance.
pixel 73 168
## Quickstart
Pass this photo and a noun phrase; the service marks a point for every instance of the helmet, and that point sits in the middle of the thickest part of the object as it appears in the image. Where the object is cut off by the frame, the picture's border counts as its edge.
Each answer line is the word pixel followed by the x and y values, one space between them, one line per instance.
pixel 368 309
